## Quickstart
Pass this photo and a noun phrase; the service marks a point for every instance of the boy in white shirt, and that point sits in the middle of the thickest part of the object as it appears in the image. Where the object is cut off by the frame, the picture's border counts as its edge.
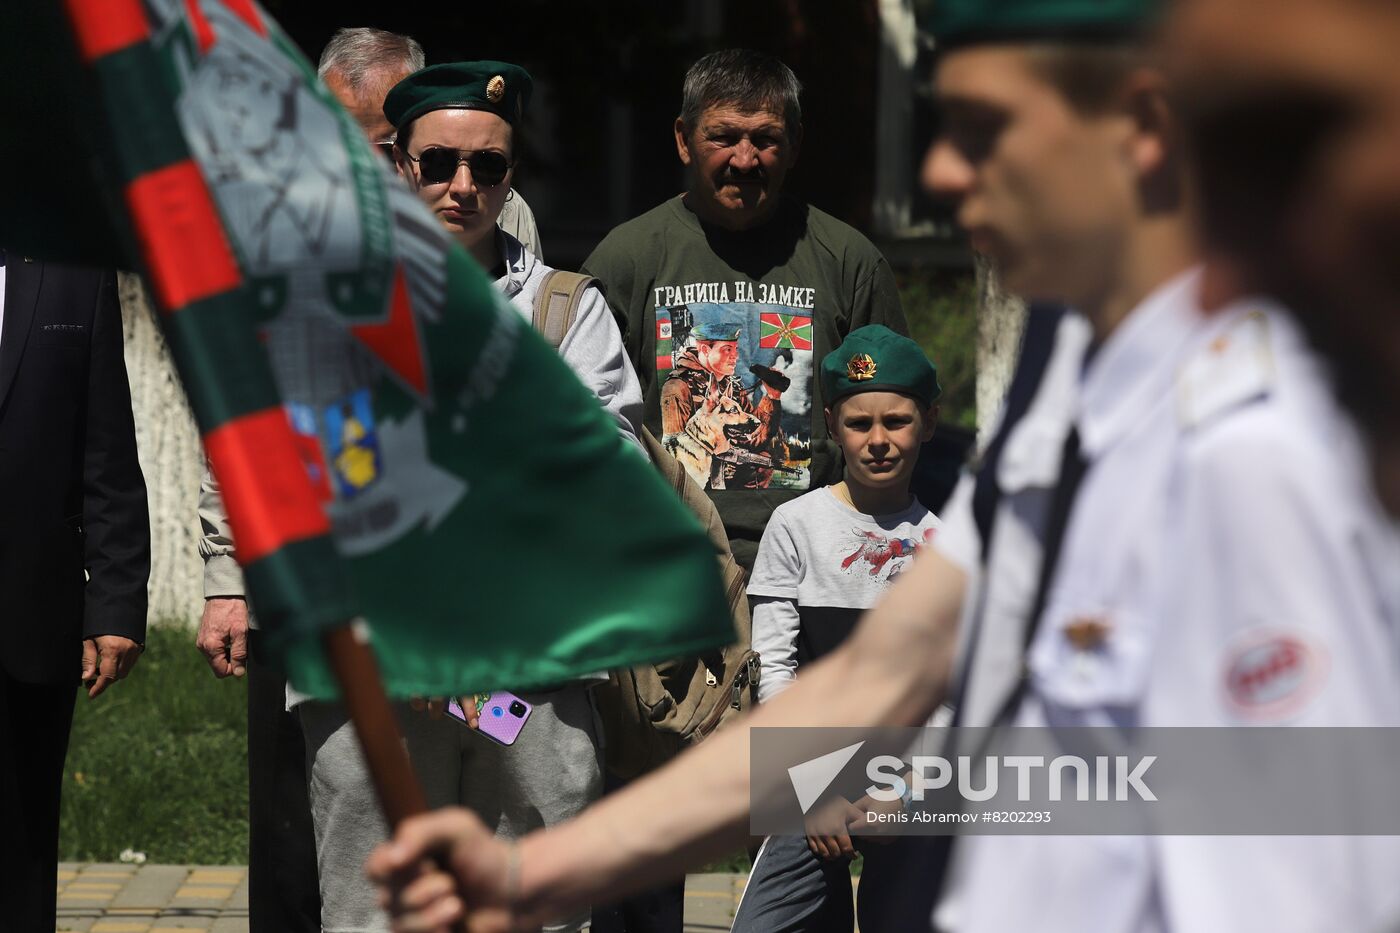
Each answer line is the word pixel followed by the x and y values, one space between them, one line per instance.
pixel 826 557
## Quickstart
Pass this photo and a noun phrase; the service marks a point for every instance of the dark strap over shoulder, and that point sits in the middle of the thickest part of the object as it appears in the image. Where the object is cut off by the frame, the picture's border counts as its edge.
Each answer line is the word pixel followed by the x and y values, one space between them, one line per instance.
pixel 556 304
pixel 1037 344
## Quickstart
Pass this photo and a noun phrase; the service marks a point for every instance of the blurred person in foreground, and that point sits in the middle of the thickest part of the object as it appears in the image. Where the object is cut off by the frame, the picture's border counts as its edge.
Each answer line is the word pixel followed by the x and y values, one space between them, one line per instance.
pixel 1293 108
pixel 1179 533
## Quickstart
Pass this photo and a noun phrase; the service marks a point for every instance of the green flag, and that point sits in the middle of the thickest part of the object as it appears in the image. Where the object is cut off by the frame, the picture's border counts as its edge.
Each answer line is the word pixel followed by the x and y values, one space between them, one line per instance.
pixel 394 443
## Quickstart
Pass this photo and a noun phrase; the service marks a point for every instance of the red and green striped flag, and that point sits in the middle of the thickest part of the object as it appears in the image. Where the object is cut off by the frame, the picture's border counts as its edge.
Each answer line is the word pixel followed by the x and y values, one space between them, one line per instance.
pixel 785 331
pixel 394 443
pixel 665 341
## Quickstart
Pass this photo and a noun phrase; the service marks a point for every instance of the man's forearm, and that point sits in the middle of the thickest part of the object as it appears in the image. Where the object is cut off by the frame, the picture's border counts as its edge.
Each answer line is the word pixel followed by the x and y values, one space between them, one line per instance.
pixel 893 671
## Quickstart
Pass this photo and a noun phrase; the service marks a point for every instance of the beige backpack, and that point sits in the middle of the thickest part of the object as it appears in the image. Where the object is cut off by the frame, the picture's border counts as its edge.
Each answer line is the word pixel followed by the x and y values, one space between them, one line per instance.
pixel 653 711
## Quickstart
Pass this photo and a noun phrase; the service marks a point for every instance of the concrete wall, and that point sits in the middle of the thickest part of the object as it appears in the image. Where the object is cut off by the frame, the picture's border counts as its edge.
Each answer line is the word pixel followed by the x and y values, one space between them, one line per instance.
pixel 171 459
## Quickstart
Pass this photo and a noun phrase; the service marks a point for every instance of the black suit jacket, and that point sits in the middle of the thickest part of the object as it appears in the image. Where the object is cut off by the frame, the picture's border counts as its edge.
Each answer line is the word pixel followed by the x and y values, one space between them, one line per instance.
pixel 72 497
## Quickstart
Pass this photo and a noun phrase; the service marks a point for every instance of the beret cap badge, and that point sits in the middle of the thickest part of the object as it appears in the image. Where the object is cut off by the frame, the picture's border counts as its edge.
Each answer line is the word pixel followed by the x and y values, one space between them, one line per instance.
pixel 860 368
pixel 496 89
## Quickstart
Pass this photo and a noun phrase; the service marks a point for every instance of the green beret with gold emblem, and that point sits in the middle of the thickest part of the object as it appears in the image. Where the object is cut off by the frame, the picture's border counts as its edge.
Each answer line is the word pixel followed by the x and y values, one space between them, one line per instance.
pixel 956 23
pixel 876 359
pixel 497 87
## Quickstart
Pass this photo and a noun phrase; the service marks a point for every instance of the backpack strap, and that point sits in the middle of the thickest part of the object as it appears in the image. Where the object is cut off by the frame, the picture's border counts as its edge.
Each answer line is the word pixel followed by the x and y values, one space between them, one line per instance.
pixel 689 492
pixel 556 304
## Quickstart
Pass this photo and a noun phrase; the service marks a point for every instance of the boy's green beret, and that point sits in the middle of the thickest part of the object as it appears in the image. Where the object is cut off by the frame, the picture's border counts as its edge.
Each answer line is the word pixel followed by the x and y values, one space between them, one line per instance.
pixel 876 359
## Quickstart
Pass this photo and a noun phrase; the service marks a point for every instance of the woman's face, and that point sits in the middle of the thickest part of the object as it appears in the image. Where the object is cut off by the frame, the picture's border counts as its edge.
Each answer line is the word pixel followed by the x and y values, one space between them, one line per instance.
pixel 466 203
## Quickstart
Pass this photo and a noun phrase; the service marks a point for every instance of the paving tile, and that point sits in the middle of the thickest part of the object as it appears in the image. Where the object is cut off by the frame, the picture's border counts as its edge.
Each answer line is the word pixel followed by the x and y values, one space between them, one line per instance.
pixel 183 922
pixel 75 924
pixel 239 900
pixel 151 887
pixel 117 898
pixel 228 876
pixel 710 901
pixel 201 895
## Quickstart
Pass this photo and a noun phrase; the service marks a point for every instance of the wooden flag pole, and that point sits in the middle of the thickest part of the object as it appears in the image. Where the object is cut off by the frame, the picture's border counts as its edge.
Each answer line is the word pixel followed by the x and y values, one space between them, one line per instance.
pixel 352 662
pixel 395 783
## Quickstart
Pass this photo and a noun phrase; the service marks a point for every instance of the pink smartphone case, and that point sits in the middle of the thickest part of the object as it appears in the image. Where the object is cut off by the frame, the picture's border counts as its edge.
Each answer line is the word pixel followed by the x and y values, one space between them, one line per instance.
pixel 496 723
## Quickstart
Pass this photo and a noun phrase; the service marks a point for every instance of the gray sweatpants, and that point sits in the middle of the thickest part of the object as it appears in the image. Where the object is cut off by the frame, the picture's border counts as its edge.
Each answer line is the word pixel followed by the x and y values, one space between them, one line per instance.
pixel 790 890
pixel 551 773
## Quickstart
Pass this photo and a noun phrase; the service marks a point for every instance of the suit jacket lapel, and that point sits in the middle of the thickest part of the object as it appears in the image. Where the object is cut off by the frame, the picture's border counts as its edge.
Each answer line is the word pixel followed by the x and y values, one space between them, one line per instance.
pixel 22 281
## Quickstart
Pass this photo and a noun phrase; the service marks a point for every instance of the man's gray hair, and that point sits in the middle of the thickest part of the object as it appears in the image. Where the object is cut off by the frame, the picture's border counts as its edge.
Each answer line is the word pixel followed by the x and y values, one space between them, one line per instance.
pixel 741 78
pixel 357 52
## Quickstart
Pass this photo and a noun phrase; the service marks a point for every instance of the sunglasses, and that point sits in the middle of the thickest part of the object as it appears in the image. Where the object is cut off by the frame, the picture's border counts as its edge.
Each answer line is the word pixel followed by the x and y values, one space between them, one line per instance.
pixel 436 166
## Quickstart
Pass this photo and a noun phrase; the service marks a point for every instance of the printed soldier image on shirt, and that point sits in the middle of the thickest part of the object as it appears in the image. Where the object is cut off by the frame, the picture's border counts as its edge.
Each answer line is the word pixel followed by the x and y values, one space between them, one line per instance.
pixel 735 361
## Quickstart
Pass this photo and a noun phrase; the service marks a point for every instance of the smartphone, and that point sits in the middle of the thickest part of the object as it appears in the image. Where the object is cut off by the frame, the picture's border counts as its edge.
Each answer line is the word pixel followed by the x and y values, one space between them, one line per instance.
pixel 502 715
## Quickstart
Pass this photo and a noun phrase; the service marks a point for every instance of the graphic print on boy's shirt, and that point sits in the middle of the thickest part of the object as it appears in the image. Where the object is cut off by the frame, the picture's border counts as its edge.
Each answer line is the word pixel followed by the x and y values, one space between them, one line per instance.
pixel 737 418
pixel 880 555
pixel 829 563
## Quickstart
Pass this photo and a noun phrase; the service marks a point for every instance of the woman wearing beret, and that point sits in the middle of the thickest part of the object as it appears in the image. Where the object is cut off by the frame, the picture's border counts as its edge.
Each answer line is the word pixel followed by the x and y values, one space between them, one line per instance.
pixel 458 146
pixel 457 149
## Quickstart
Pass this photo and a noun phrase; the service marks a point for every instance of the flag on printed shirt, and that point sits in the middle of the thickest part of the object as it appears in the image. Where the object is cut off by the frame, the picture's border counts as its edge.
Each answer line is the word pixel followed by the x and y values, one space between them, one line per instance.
pixel 665 341
pixel 784 331
pixel 393 441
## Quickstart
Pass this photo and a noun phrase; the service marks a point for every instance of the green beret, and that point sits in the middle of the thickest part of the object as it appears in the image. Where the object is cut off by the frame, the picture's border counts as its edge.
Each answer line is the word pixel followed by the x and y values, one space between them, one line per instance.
pixel 716 330
pixel 965 22
pixel 497 87
pixel 876 359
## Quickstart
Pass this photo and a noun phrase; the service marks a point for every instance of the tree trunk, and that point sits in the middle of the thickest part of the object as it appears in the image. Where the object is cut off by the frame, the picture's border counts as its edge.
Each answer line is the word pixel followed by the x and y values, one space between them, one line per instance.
pixel 1001 321
pixel 171 459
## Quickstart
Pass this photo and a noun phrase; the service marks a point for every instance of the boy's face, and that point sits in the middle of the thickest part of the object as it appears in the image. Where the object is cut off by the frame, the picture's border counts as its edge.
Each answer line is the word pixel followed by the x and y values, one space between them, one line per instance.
pixel 880 434
pixel 1043 190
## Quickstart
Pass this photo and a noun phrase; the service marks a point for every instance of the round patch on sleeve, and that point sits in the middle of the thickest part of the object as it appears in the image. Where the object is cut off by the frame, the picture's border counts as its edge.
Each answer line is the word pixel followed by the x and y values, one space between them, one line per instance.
pixel 1271 676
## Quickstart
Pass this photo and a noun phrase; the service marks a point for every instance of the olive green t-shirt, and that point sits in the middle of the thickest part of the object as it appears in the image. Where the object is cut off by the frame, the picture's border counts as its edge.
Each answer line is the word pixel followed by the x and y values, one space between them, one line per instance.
pixel 750 429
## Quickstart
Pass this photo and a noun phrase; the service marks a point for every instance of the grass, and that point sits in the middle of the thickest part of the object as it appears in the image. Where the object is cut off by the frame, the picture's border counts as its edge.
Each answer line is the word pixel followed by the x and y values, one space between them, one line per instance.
pixel 159 763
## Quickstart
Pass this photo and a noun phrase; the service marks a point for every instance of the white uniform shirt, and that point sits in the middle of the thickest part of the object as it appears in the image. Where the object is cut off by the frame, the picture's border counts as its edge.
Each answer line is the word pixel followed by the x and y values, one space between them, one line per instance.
pixel 1226 515
pixel 1000 596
